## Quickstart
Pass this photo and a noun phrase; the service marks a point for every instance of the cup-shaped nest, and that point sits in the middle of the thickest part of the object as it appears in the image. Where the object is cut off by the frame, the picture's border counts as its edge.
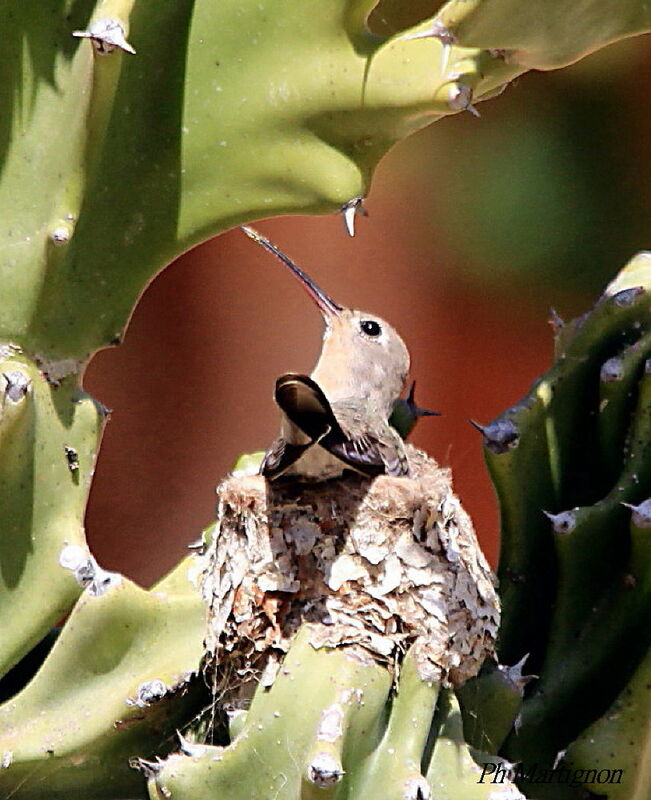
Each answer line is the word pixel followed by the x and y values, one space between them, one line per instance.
pixel 371 565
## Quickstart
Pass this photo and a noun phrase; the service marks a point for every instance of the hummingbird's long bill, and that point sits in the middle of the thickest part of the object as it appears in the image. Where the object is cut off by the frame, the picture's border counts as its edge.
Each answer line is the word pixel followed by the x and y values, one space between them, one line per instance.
pixel 326 305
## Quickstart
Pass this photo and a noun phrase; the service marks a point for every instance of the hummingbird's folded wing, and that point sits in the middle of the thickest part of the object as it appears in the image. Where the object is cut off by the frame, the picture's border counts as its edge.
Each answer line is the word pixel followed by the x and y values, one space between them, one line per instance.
pixel 308 409
pixel 280 456
pixel 305 405
pixel 369 450
pixel 338 428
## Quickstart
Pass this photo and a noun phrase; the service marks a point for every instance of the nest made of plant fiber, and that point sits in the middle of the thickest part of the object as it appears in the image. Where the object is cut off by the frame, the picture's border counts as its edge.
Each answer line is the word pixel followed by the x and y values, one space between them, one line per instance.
pixel 371 564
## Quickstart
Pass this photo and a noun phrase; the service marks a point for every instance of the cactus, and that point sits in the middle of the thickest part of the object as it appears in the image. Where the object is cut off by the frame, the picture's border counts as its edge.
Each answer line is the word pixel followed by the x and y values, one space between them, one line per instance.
pixel 144 129
pixel 618 741
pixel 48 439
pixel 116 684
pixel 542 35
pixel 572 467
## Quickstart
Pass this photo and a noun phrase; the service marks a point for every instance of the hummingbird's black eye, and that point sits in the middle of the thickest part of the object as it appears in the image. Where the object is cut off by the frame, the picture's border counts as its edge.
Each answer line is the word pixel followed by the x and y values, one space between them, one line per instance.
pixel 370 327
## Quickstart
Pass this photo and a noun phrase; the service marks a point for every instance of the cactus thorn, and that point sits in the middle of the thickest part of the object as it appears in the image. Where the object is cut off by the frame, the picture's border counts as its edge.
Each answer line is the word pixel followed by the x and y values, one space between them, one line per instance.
pixel 192 749
pixel 150 769
pixel 564 522
pixel 627 297
pixel 460 99
pixel 415 409
pixel 198 546
pixel 641 516
pixel 515 676
pixel 87 571
pixel 555 320
pixel 60 236
pixel 148 693
pixel 406 413
pixel 499 436
pixel 106 36
pixel 350 210
pixel 612 370
pixel 437 30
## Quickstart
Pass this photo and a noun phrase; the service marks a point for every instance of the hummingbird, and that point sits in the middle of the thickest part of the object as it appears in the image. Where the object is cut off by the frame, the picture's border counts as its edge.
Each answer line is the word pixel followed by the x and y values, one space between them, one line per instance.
pixel 337 417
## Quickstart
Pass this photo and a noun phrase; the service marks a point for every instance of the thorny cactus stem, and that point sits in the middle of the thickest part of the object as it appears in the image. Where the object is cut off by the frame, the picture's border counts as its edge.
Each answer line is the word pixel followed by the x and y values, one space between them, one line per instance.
pixel 225 112
pixel 219 113
pixel 116 684
pixel 48 439
pixel 572 467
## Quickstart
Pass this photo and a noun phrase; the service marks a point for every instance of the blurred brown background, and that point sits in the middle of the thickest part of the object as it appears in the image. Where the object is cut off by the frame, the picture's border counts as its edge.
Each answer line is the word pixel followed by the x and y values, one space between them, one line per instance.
pixel 476 228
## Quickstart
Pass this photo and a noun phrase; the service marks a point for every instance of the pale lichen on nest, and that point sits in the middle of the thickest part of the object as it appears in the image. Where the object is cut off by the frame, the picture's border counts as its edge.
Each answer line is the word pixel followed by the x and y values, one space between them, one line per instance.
pixel 373 565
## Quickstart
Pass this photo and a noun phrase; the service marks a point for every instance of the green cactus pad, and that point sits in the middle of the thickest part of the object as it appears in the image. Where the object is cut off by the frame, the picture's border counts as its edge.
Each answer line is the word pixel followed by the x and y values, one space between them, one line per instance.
pixel 452 771
pixel 618 378
pixel 544 34
pixel 113 687
pixel 226 112
pixel 329 728
pixel 491 702
pixel 395 769
pixel 324 708
pixel 617 747
pixel 48 439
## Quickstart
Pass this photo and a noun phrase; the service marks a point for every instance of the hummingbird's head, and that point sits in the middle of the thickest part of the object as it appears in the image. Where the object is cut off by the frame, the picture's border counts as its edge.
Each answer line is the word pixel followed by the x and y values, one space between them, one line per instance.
pixel 365 352
pixel 362 355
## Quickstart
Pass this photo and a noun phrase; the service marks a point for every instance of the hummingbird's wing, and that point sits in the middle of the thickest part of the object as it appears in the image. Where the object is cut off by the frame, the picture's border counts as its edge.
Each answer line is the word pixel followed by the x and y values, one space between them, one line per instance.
pixel 308 409
pixel 305 405
pixel 372 449
pixel 341 429
pixel 280 456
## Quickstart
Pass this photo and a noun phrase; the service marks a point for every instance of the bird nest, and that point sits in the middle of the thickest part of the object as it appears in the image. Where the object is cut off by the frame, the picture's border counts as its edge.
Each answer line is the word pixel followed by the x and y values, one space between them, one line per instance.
pixel 375 566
